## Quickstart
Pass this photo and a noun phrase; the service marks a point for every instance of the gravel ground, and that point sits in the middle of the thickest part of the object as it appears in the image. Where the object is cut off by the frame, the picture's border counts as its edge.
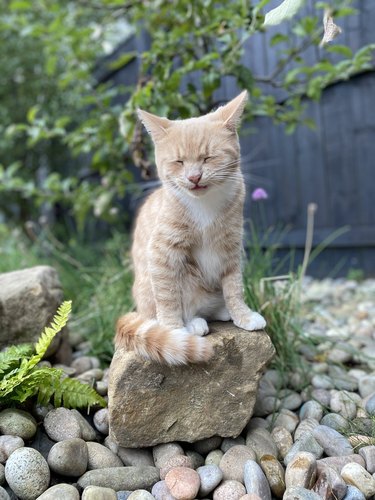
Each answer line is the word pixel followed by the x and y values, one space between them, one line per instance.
pixel 308 440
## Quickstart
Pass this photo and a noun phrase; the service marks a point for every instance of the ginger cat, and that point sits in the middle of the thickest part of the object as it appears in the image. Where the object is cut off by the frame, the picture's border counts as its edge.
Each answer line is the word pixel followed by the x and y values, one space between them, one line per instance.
pixel 188 240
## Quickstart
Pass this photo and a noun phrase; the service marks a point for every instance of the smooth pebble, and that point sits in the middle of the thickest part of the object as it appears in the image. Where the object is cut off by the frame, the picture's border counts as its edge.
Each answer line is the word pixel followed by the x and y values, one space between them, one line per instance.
pixel 27 473
pixel 256 481
pixel 210 477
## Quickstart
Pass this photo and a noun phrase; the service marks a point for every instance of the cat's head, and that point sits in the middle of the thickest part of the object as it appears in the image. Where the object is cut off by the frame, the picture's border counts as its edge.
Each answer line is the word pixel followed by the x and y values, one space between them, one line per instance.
pixel 196 155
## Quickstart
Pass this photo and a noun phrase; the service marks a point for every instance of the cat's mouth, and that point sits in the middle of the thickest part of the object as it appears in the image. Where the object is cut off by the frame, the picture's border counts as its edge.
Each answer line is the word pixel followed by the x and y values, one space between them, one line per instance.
pixel 197 187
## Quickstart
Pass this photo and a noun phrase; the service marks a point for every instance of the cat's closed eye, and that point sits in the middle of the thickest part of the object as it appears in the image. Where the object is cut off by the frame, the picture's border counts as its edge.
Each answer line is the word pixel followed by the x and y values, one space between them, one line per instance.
pixel 180 162
pixel 208 158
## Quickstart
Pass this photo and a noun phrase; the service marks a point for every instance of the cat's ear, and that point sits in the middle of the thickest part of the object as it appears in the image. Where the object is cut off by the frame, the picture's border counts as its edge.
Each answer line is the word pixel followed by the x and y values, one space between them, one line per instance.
pixel 231 113
pixel 156 126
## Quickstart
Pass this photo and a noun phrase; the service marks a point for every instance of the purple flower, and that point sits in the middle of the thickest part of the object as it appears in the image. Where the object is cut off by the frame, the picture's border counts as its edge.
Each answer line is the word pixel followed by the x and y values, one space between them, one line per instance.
pixel 259 194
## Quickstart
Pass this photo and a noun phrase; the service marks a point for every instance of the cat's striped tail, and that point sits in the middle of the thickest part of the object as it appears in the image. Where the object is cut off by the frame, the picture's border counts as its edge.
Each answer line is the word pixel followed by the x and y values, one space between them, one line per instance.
pixel 152 341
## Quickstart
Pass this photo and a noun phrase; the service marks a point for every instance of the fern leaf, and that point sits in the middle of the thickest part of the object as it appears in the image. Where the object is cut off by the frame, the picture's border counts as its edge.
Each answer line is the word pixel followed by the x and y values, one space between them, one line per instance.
pixel 58 322
pixel 10 357
pixel 74 394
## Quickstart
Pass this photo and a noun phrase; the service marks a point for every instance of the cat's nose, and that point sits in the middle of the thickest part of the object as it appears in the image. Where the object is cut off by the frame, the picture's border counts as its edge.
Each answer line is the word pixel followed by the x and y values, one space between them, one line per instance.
pixel 195 178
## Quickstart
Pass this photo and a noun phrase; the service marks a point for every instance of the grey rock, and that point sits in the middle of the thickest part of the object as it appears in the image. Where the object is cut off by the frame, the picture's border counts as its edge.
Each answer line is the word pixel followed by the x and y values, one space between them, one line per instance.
pixel 335 421
pixel 87 431
pixel 368 454
pixel 265 405
pixel 40 411
pixel 366 385
pixel 261 442
pixel 299 493
pixel 123 495
pixel 98 493
pixel 17 423
pixel 210 476
pixel 307 425
pixel 112 445
pixel 173 462
pixel 345 403
pixel 8 444
pixel 301 471
pixel 353 493
pixel 214 457
pixel 338 463
pixel 340 355
pixel 4 494
pixel 69 457
pixel 163 452
pixel 229 490
pixel 370 405
pixel 100 457
pixel 28 300
pixel 286 418
pixel 357 476
pixel 141 495
pixel 85 363
pixel 2 474
pixel 91 376
pixel 256 422
pixel 275 474
pixel 283 440
pixel 101 421
pixel 345 383
pixel 290 400
pixel 173 413
pixel 333 443
pixel 102 387
pixel 330 485
pixel 233 461
pixel 27 473
pixel 311 409
pixel 307 442
pixel 255 480
pixel 273 377
pixel 197 459
pixel 61 424
pixel 322 396
pixel 61 491
pixel 230 442
pixel 160 491
pixel 131 456
pixel 322 381
pixel 121 478
pixel 204 446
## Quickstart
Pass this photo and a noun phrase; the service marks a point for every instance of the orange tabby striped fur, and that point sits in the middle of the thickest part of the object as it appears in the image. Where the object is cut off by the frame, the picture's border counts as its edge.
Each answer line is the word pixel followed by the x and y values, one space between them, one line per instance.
pixel 188 239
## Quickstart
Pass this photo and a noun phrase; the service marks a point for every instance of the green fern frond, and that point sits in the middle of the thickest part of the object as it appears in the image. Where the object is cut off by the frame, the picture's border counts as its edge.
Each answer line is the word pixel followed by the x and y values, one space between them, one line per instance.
pixel 74 394
pixel 58 322
pixel 10 357
pixel 21 378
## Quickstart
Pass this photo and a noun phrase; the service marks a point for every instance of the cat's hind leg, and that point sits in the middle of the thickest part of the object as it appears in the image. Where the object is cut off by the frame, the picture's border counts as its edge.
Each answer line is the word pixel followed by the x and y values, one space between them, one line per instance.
pixel 220 314
pixel 197 326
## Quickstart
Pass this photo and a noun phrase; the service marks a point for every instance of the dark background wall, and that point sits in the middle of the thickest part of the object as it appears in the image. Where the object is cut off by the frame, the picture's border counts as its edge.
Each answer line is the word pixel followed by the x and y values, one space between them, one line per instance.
pixel 333 166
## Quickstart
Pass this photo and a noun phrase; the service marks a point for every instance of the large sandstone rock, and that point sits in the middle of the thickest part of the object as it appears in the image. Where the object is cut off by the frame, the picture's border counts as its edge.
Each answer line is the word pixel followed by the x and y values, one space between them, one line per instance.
pixel 150 403
pixel 28 301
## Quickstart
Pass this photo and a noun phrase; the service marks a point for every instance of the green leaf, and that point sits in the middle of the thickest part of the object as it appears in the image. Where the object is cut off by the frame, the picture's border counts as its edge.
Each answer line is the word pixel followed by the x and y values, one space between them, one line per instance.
pixel 286 10
pixel 31 114
pixel 20 5
pixel 123 60
pixel 278 38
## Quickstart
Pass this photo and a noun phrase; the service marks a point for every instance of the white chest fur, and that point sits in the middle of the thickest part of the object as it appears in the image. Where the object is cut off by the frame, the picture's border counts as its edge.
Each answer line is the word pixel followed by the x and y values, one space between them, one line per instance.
pixel 209 260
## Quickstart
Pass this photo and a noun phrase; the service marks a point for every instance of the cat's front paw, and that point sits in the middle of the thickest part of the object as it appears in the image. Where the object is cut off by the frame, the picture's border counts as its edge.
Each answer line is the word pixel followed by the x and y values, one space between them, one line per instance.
pixel 198 326
pixel 253 321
